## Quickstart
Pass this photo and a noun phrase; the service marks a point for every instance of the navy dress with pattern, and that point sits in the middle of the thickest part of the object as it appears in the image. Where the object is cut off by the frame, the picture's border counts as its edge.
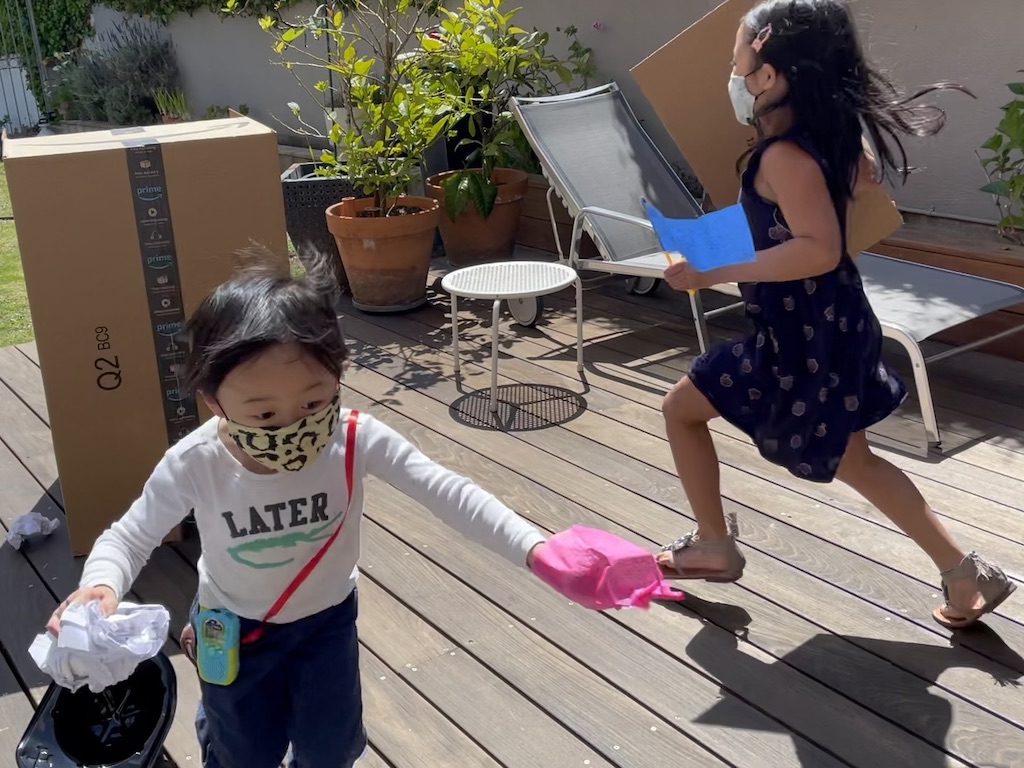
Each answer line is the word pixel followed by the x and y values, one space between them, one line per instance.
pixel 811 373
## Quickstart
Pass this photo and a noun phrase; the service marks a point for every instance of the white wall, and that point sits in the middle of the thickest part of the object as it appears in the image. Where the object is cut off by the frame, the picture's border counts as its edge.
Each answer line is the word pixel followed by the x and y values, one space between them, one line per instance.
pixel 977 44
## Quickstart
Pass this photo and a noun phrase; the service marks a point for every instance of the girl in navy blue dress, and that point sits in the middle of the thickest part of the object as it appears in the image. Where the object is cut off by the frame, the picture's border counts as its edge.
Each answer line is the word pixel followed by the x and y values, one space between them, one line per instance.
pixel 809 380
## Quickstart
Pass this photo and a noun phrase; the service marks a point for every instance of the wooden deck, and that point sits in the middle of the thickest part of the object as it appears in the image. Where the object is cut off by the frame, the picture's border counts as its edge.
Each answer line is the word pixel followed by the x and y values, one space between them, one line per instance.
pixel 824 655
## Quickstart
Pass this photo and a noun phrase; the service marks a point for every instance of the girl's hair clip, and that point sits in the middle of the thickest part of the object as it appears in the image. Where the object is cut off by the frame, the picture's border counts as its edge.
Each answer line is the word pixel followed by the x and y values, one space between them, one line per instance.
pixel 761 38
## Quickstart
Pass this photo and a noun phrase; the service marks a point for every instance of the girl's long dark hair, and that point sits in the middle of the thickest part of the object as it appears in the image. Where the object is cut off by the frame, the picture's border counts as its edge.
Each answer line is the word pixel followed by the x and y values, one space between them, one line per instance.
pixel 835 95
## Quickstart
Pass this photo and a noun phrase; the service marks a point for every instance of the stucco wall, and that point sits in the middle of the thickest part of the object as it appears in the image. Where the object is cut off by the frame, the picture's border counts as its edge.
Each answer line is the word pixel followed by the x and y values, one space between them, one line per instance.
pixel 977 44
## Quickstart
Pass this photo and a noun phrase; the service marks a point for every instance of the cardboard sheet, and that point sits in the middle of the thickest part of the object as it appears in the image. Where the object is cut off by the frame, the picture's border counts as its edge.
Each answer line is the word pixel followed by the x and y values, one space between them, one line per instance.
pixel 685 81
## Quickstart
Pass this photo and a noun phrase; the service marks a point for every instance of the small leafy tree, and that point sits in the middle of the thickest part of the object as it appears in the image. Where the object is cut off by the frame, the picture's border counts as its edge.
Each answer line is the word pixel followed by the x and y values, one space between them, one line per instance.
pixel 477 54
pixel 1005 166
pixel 392 110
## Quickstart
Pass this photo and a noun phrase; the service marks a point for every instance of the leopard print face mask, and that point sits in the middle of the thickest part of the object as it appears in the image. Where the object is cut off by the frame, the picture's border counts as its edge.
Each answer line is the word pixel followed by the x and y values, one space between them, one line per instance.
pixel 291 448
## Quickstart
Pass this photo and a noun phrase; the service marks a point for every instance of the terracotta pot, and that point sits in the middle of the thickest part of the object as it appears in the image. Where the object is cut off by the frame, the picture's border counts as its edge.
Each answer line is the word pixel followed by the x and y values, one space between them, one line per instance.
pixel 472 239
pixel 386 258
pixel 169 119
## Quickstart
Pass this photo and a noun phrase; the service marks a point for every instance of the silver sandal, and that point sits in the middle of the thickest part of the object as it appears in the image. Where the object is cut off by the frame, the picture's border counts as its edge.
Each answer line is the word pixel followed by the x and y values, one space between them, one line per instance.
pixel 991 584
pixel 688 557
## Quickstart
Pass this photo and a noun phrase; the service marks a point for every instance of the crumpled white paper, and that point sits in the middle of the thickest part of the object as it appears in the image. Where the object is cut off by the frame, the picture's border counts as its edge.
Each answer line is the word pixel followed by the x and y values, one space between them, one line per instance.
pixel 100 651
pixel 30 524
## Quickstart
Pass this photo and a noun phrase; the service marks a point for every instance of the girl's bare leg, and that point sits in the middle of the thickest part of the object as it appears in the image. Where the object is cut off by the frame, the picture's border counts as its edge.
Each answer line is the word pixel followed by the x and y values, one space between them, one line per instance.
pixel 895 495
pixel 711 552
pixel 687 413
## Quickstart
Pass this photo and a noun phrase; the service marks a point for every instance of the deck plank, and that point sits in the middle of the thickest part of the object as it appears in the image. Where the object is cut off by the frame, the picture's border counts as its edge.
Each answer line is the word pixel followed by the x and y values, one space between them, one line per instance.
pixel 21 376
pixel 28 349
pixel 520 496
pixel 599 713
pixel 16 710
pixel 640 671
pixel 430 662
pixel 419 736
pixel 373 759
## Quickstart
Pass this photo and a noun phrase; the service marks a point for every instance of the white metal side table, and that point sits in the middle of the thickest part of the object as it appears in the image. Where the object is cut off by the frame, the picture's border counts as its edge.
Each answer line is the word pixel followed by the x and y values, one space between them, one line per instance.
pixel 510 281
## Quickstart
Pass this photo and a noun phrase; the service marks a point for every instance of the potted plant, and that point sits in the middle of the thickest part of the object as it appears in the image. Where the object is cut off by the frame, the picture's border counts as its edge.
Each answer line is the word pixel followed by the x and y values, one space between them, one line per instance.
pixel 478 55
pixel 391 112
pixel 172 105
pixel 1005 167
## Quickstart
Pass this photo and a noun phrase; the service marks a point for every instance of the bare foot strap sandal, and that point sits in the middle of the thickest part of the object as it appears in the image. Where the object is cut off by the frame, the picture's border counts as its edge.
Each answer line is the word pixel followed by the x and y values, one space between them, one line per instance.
pixel 991 588
pixel 691 558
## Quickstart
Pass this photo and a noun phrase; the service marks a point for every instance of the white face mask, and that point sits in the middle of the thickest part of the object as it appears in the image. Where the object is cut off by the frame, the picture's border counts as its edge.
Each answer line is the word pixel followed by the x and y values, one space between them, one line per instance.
pixel 742 99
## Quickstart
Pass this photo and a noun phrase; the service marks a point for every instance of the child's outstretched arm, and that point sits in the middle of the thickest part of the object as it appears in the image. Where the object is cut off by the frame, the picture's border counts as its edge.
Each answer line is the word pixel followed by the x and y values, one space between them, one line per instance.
pixel 121 551
pixel 456 500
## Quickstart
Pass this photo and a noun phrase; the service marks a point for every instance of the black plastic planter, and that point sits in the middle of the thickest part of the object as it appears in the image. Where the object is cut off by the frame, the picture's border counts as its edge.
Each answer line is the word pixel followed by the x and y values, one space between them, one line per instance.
pixel 306 198
pixel 122 727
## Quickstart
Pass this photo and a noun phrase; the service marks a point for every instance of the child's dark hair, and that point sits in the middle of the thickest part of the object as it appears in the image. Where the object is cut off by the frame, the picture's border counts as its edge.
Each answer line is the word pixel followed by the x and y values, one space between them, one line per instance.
pixel 834 94
pixel 263 305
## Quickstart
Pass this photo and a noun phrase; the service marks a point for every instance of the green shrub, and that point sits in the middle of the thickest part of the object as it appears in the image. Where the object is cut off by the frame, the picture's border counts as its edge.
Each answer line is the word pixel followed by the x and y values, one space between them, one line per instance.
pixel 117 82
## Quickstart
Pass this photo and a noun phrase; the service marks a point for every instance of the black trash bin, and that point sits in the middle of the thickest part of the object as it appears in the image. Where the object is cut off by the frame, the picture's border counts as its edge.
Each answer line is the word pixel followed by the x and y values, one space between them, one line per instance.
pixel 122 727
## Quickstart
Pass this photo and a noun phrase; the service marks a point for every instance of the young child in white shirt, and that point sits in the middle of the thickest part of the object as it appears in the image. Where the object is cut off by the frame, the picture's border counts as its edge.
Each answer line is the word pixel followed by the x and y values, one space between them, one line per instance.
pixel 275 481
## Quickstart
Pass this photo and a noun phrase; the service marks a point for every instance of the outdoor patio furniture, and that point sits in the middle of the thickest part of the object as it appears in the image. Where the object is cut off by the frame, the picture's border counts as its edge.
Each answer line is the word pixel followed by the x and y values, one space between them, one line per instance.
pixel 515 282
pixel 600 162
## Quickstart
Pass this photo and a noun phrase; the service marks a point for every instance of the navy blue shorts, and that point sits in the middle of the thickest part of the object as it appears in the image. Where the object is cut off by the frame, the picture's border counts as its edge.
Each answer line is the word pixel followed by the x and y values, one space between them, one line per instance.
pixel 297 685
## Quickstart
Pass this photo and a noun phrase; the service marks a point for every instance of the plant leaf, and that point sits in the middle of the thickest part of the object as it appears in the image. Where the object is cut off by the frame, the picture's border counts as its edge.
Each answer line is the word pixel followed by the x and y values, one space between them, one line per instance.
pixel 456 194
pixel 997 187
pixel 1017 88
pixel 484 193
pixel 994 142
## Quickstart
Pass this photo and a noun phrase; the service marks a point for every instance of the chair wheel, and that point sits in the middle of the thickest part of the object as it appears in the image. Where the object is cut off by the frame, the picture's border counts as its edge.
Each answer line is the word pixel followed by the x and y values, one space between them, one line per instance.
pixel 526 312
pixel 643 286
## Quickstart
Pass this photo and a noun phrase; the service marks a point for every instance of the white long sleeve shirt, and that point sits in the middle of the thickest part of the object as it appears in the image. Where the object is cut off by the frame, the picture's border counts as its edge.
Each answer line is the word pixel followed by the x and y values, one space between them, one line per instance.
pixel 259 530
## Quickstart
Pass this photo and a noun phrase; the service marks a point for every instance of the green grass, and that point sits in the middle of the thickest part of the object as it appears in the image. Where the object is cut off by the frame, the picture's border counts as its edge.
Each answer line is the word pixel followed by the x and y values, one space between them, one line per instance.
pixel 15 322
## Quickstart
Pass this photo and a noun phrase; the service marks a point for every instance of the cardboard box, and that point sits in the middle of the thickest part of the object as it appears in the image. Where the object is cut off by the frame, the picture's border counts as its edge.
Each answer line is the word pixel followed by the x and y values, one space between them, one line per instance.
pixel 685 81
pixel 122 233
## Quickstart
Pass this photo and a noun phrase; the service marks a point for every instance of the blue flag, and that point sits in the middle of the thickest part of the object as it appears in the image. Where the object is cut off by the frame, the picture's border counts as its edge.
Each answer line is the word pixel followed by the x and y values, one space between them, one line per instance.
pixel 716 239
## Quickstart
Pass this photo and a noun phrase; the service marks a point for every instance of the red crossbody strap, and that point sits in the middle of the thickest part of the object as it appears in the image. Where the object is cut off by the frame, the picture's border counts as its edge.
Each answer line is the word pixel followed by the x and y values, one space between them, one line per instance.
pixel 301 576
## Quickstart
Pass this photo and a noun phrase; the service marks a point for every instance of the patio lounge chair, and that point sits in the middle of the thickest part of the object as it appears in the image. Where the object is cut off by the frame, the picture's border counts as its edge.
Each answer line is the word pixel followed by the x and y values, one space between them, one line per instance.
pixel 600 162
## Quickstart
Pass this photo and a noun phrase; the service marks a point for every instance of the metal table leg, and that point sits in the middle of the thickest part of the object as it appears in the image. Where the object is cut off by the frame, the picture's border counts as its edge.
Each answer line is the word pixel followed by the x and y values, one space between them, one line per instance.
pixel 495 317
pixel 579 325
pixel 455 331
